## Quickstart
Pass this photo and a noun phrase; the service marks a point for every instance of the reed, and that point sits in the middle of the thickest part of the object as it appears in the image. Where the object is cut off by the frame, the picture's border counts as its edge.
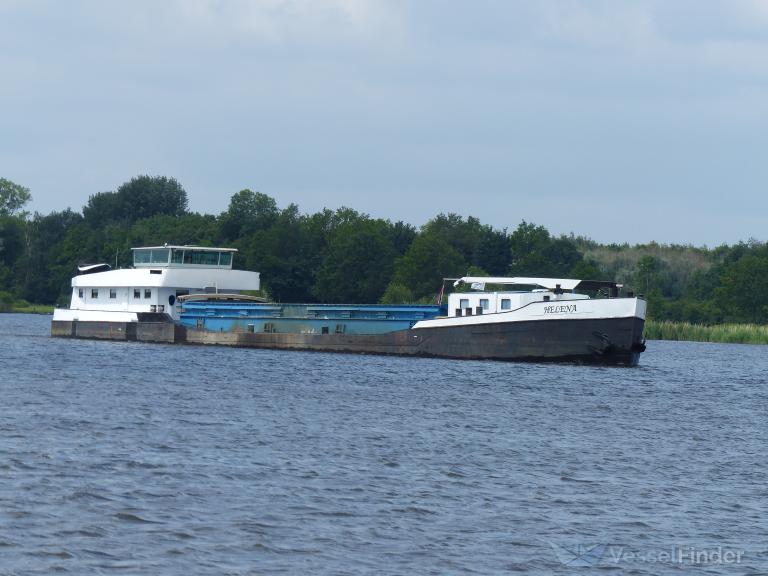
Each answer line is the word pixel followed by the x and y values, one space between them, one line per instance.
pixel 725 333
pixel 24 307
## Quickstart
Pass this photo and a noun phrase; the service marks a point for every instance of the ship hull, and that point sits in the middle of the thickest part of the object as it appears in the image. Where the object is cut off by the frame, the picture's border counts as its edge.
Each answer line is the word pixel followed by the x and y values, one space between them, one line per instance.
pixel 607 341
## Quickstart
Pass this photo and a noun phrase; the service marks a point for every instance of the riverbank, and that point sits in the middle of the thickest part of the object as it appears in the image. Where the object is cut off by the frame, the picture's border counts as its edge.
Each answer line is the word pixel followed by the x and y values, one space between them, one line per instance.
pixel 27 308
pixel 722 333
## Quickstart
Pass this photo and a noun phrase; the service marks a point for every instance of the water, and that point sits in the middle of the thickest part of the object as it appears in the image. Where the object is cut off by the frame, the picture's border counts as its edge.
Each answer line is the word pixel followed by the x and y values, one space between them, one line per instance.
pixel 127 458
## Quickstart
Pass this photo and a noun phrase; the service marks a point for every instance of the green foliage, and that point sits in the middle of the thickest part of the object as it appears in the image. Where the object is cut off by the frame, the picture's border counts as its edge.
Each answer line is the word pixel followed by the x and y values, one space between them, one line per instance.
pixel 11 239
pixel 345 256
pixel 357 264
pixel 47 269
pixel 397 294
pixel 13 197
pixel 743 291
pixel 285 255
pixel 141 197
pixel 587 270
pixel 536 253
pixel 6 301
pixel 429 259
pixel 725 333
pixel 248 213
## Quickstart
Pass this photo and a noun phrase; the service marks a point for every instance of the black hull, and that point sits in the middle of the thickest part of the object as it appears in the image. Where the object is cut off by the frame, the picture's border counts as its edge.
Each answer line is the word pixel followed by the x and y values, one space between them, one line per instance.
pixel 613 341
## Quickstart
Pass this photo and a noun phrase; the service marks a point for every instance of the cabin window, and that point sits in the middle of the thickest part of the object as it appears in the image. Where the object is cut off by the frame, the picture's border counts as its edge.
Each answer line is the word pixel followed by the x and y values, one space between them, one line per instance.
pixel 112 293
pixel 464 303
pixel 200 257
pixel 136 293
pixel 484 303
pixel 341 328
pixel 506 304
pixel 141 256
pixel 269 327
pixel 94 293
pixel 225 259
pixel 324 330
pixel 160 256
pixel 80 293
pixel 147 293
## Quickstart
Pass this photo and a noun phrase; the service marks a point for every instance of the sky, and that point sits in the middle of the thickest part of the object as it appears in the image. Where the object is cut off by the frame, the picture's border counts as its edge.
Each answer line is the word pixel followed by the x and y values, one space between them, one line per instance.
pixel 621 121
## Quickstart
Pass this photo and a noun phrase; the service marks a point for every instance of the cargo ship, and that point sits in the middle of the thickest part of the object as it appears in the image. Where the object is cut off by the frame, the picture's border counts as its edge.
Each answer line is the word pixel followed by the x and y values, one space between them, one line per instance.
pixel 192 295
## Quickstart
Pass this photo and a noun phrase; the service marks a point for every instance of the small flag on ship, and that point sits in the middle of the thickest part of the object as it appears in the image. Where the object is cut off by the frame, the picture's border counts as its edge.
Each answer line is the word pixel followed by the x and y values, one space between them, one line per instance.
pixel 439 300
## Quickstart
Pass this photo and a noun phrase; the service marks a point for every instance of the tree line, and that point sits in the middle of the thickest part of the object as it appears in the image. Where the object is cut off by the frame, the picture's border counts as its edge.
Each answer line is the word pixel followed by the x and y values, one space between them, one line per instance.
pixel 343 255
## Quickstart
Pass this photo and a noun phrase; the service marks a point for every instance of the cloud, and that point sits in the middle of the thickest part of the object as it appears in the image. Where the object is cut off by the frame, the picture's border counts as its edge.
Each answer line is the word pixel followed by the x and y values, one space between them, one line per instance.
pixel 400 108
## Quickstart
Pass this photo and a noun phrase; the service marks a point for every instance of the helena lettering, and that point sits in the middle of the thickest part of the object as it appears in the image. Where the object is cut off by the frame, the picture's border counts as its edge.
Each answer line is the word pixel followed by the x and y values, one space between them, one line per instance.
pixel 562 309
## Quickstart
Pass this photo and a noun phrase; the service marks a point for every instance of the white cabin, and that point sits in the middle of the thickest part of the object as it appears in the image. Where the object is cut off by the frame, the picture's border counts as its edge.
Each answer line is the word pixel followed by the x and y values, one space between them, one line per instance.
pixel 159 275
pixel 481 302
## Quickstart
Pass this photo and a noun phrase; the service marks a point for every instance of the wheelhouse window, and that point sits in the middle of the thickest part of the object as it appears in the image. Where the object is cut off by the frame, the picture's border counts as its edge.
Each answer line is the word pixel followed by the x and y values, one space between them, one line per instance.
pixel 113 293
pixel 225 259
pixel 151 256
pixel 201 257
pixel 141 256
pixel 177 256
pixel 94 293
pixel 147 293
pixel 506 304
pixel 160 256
pixel 136 293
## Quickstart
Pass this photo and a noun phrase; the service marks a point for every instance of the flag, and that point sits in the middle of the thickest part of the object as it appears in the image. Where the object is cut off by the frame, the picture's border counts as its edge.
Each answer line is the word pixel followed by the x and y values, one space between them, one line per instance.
pixel 478 286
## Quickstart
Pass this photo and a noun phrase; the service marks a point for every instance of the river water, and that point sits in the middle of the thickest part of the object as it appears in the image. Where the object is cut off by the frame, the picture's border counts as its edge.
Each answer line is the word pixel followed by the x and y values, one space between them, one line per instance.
pixel 125 458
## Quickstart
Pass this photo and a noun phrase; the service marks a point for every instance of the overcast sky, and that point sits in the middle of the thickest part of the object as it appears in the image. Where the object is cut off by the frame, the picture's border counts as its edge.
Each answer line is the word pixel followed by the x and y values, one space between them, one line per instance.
pixel 619 120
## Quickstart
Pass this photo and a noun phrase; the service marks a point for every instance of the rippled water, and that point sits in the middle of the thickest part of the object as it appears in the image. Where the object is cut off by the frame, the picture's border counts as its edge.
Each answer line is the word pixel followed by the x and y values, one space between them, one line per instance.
pixel 152 459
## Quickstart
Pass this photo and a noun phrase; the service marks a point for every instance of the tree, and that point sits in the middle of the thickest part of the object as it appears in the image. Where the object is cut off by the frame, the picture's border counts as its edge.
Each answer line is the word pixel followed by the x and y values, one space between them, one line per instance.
pixel 527 245
pixel 743 293
pixel 11 239
pixel 586 270
pixel 283 256
pixel 402 235
pixel 397 294
pixel 13 197
pixel 561 256
pixel 141 197
pixel 46 269
pixel 248 212
pixel 358 263
pixel 6 301
pixel 423 267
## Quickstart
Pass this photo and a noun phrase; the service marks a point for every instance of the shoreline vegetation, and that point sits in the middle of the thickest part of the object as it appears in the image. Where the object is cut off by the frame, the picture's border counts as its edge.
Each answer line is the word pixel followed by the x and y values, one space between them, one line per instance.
pixel 9 305
pixel 27 308
pixel 709 294
pixel 720 333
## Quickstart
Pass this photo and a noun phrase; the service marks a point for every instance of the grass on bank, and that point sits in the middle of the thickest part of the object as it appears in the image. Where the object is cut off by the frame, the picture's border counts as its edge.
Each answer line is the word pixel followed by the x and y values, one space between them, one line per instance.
pixel 723 333
pixel 9 304
pixel 24 307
